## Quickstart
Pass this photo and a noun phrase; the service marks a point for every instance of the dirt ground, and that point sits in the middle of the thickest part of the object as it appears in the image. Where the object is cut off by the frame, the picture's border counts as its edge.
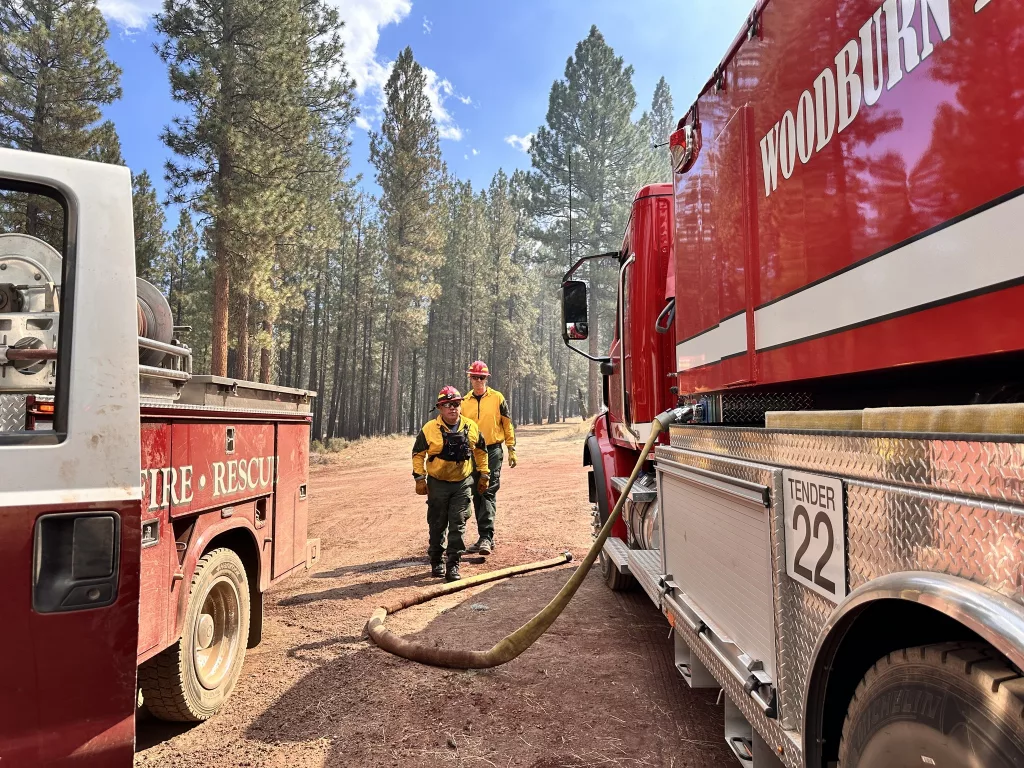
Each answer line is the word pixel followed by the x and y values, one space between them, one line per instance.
pixel 599 689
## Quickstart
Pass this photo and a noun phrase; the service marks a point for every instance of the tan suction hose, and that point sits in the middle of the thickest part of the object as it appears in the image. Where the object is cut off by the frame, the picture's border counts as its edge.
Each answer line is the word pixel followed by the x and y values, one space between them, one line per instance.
pixel 514 644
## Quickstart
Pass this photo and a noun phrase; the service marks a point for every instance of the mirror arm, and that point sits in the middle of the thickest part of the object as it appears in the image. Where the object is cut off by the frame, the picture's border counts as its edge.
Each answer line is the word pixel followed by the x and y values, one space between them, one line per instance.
pixel 579 351
pixel 583 259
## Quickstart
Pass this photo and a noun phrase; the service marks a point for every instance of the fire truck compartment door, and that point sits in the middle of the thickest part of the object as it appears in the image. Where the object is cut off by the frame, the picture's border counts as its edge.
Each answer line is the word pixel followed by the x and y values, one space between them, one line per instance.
pixel 290 499
pixel 717 548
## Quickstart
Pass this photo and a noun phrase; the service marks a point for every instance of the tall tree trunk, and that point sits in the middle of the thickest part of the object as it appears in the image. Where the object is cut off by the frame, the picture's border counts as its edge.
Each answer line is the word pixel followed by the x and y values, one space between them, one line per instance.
pixel 221 298
pixel 242 337
pixel 413 399
pixel 225 173
pixel 265 366
pixel 396 365
pixel 300 346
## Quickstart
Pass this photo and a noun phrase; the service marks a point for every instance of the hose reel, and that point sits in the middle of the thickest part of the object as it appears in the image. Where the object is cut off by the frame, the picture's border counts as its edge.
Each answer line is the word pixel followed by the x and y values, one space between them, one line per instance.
pixel 30 286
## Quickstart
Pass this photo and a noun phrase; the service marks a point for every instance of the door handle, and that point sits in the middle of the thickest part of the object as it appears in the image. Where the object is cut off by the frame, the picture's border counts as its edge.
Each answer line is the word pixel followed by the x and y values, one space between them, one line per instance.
pixel 76 559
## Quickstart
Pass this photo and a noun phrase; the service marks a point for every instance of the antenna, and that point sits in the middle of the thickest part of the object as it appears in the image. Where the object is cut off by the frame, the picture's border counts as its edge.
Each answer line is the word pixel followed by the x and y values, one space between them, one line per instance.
pixel 570 204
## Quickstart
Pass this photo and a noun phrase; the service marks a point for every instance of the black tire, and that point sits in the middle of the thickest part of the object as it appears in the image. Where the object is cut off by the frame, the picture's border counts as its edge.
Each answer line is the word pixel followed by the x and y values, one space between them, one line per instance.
pixel 192 679
pixel 955 705
pixel 616 581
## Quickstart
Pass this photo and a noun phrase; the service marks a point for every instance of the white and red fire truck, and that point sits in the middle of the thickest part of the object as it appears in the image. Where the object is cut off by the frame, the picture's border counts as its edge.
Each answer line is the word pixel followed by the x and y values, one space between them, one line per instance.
pixel 143 509
pixel 832 291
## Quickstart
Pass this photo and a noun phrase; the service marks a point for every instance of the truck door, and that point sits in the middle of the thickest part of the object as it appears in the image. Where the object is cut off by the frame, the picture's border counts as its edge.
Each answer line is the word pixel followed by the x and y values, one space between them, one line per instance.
pixel 69 490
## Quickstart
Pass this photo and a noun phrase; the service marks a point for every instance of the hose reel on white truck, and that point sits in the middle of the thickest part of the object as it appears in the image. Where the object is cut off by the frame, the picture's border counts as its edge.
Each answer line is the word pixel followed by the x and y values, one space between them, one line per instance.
pixel 30 277
pixel 30 303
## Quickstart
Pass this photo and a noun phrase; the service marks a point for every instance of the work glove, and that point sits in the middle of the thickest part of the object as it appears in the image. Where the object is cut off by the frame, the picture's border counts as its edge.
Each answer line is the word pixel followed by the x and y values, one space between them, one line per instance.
pixel 483 483
pixel 421 486
pixel 512 457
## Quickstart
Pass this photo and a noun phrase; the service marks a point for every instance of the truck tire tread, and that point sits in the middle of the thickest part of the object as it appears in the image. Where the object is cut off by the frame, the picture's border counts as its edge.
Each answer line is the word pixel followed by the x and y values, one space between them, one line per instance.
pixel 977 664
pixel 162 678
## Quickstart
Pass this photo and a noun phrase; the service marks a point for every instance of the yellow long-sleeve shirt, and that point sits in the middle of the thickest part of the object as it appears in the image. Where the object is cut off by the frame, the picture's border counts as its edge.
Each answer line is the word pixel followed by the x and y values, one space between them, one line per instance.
pixel 490 412
pixel 427 451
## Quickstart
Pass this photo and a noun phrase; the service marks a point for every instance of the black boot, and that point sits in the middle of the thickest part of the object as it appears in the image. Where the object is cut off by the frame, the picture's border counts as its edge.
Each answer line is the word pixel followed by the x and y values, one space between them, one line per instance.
pixel 452 574
pixel 437 569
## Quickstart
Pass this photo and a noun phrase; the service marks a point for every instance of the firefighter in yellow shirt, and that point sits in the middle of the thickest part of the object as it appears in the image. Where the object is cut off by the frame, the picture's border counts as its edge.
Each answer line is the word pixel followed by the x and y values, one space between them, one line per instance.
pixel 487 407
pixel 443 459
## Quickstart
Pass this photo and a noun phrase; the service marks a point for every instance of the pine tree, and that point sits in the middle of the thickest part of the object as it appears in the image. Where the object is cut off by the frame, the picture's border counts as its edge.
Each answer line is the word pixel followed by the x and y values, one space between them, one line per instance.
pixel 590 138
pixel 407 156
pixel 657 126
pixel 224 61
pixel 150 240
pixel 54 77
pixel 183 271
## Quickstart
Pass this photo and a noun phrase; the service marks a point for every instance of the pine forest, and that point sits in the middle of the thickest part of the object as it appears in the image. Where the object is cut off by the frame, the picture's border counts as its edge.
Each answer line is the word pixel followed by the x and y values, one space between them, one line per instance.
pixel 284 269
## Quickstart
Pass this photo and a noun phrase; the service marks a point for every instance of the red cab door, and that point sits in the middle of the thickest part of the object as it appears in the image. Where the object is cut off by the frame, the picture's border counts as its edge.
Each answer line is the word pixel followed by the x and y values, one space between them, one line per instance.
pixel 70 491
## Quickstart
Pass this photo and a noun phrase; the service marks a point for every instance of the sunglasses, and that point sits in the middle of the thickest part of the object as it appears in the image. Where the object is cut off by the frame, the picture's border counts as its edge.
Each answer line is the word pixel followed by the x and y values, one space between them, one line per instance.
pixel 478 378
pixel 449 405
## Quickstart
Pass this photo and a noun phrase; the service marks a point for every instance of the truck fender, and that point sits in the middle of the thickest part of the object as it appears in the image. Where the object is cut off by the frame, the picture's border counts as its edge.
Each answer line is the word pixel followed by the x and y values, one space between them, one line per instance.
pixel 944 608
pixel 204 537
pixel 608 461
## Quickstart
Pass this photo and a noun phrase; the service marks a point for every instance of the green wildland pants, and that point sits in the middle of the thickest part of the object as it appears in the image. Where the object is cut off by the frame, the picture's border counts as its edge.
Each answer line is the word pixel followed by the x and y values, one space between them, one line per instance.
pixel 447 510
pixel 484 504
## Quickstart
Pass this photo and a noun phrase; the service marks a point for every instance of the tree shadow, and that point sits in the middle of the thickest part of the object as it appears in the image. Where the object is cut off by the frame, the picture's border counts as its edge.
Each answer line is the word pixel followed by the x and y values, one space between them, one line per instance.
pixel 374 567
pixel 360 590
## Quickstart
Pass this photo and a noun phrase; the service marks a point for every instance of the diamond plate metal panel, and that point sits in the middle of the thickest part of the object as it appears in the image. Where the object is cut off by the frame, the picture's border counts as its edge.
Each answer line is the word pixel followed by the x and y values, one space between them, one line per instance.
pixel 890 528
pixel 12 413
pixel 785 742
pixel 959 465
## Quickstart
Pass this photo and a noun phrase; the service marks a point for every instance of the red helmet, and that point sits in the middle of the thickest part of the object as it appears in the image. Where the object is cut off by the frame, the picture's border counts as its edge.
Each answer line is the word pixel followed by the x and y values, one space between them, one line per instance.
pixel 448 395
pixel 479 368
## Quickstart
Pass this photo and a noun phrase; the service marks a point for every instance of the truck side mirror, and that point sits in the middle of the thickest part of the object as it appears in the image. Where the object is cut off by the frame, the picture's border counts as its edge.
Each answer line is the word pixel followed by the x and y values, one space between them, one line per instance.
pixel 574 311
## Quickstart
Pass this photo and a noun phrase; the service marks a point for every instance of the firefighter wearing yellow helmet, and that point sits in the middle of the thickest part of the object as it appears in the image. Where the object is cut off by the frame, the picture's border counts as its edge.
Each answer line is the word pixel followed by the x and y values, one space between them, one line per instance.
pixel 488 408
pixel 443 459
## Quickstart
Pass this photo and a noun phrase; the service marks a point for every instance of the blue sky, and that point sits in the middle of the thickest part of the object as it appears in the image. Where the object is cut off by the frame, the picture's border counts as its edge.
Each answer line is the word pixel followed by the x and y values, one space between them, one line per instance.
pixel 490 65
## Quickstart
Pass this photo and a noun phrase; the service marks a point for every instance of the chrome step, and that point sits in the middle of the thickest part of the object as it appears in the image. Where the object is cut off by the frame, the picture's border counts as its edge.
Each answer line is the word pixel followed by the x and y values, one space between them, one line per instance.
pixel 645 565
pixel 617 551
pixel 641 493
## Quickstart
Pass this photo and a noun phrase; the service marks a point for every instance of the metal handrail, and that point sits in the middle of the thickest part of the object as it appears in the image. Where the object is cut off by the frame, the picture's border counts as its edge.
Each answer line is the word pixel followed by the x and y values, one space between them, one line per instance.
pixel 182 370
pixel 164 373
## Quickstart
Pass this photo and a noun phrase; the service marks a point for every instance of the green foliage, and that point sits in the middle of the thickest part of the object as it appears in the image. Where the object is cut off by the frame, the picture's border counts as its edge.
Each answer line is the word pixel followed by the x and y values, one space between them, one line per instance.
pixel 150 240
pixel 587 154
pixel 54 78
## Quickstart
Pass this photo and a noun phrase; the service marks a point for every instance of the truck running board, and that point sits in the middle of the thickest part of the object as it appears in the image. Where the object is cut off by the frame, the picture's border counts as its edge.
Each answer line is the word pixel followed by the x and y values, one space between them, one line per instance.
pixel 617 551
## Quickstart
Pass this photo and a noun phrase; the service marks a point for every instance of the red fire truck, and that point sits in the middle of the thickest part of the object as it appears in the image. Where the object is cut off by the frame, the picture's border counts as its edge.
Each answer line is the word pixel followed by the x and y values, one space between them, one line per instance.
pixel 143 509
pixel 834 527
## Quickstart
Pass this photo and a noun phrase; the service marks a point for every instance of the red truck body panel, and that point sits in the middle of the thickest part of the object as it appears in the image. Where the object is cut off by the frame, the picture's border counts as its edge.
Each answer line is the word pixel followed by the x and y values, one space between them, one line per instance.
pixel 855 203
pixel 203 477
pixel 88 724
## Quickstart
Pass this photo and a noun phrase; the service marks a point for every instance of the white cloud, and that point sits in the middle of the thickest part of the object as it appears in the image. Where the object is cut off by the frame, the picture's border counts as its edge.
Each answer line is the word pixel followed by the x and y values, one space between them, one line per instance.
pixel 440 90
pixel 476 152
pixel 130 15
pixel 522 143
pixel 361 35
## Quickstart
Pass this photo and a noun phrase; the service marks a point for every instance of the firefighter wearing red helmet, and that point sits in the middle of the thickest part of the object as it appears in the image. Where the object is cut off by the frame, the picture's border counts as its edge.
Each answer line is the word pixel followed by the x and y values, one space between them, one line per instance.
pixel 444 456
pixel 488 408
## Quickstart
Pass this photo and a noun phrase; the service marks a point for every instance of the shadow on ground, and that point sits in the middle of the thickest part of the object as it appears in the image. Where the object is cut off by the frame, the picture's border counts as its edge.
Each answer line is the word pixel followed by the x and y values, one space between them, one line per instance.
pixel 599 688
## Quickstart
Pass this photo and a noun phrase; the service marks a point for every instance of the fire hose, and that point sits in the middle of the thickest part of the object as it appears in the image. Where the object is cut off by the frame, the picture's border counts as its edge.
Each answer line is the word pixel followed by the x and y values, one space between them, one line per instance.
pixel 514 644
